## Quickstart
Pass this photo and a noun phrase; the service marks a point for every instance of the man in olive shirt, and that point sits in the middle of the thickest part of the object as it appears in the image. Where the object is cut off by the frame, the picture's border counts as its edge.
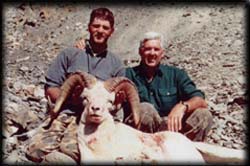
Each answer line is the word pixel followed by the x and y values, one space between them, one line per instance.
pixel 170 99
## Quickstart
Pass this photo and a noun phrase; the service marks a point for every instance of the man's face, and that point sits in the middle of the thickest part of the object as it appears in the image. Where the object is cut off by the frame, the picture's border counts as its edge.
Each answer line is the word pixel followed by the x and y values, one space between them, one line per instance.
pixel 100 30
pixel 151 53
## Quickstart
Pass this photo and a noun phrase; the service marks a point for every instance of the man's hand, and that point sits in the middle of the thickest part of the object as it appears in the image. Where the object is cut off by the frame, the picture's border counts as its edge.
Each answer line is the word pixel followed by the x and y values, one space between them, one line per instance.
pixel 174 120
pixel 80 44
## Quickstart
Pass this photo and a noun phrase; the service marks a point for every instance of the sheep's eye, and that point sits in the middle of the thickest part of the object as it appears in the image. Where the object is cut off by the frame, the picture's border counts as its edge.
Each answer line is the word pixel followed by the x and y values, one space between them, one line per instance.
pixel 110 104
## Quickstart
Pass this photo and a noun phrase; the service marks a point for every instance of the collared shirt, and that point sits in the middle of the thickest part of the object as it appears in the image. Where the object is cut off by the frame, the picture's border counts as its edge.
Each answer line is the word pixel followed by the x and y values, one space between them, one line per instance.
pixel 169 86
pixel 103 66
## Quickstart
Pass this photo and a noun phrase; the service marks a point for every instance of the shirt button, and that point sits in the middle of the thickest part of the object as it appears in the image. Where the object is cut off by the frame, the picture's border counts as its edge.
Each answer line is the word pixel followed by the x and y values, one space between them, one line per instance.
pixel 168 93
pixel 151 93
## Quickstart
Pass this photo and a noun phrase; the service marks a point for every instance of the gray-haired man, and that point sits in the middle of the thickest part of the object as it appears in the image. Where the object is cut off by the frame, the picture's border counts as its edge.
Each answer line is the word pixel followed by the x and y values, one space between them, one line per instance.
pixel 170 99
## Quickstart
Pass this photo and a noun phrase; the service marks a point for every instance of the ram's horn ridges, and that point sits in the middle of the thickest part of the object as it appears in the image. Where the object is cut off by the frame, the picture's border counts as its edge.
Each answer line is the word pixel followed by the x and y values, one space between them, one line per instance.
pixel 124 84
pixel 77 78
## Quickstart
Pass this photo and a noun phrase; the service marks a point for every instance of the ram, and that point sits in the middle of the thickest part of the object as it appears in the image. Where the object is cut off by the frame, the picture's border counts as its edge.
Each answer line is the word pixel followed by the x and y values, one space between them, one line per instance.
pixel 101 139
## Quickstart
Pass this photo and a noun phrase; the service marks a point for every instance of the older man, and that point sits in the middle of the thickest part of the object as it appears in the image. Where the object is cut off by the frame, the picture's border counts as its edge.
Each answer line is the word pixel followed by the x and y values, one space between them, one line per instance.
pixel 170 99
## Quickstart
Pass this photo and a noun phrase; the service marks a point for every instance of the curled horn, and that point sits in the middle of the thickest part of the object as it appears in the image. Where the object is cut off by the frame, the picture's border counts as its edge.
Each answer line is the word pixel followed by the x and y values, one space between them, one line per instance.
pixel 78 78
pixel 118 84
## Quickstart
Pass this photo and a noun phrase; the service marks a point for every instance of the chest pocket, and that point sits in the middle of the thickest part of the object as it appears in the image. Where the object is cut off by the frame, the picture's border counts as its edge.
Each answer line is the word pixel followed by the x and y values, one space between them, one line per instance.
pixel 168 96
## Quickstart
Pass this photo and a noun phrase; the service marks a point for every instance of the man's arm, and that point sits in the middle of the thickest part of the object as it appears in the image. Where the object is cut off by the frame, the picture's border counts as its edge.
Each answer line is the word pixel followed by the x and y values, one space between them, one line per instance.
pixel 191 98
pixel 52 93
pixel 194 103
pixel 56 75
pixel 175 116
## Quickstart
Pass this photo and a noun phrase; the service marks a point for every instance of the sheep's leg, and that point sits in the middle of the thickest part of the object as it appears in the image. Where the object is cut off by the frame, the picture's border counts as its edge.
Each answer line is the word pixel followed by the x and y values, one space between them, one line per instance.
pixel 215 154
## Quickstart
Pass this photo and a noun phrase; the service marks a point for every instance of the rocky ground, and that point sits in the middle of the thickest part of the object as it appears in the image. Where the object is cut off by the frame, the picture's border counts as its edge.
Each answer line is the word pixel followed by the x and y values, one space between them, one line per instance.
pixel 207 40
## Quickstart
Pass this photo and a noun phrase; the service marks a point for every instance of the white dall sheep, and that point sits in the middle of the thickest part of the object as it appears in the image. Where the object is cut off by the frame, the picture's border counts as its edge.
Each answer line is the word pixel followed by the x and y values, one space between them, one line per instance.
pixel 100 139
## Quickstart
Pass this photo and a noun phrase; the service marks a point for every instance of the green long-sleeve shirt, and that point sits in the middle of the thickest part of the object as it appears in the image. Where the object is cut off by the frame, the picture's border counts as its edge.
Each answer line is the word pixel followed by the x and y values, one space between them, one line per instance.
pixel 169 86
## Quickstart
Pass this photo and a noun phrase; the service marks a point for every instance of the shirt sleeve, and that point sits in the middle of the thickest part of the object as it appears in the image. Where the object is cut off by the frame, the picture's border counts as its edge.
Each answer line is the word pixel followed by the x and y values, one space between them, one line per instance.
pixel 187 87
pixel 119 69
pixel 56 73
pixel 128 73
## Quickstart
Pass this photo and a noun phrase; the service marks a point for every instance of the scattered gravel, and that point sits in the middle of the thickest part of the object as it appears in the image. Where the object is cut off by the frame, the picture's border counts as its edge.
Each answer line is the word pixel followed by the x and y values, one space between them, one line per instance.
pixel 207 40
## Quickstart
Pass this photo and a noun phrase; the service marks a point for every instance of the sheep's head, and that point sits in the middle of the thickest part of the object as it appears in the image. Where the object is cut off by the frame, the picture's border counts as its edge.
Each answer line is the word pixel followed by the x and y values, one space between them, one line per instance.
pixel 98 102
pixel 100 94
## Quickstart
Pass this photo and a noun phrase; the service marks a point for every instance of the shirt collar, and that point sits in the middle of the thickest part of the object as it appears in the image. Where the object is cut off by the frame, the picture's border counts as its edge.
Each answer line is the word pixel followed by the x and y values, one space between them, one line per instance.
pixel 141 68
pixel 90 50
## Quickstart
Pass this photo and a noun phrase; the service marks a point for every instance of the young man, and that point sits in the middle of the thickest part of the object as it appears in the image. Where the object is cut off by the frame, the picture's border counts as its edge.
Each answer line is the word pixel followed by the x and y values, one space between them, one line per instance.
pixel 175 103
pixel 95 59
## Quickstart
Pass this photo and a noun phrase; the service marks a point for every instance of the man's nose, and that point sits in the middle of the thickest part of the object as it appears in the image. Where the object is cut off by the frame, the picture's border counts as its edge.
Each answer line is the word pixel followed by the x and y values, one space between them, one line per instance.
pixel 100 29
pixel 152 52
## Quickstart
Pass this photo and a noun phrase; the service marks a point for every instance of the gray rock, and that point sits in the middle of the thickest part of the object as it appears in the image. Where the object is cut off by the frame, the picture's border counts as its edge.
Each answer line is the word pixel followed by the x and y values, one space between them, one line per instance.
pixel 56 157
pixel 39 92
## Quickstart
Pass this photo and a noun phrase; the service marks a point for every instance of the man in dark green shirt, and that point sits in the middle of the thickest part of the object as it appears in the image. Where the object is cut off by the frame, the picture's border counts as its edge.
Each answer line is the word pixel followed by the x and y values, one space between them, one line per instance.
pixel 170 99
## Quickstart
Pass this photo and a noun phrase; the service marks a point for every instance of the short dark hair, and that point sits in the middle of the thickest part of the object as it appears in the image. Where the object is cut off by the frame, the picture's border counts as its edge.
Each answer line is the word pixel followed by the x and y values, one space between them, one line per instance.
pixel 102 13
